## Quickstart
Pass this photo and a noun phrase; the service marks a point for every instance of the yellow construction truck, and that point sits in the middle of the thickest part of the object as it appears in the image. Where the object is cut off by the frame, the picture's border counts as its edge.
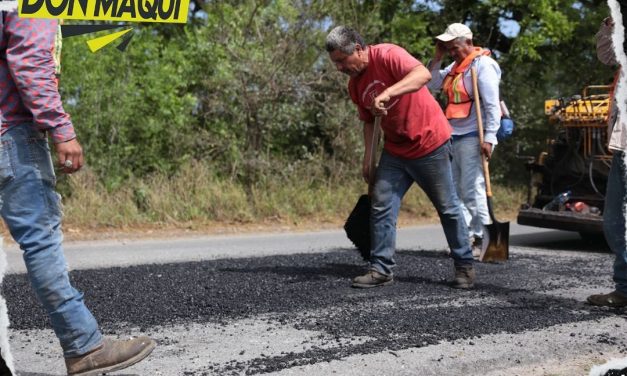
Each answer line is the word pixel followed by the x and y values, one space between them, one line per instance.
pixel 567 180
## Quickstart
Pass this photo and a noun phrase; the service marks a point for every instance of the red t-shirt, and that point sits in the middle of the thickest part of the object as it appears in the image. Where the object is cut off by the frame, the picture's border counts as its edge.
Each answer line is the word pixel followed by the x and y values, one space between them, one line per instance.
pixel 415 124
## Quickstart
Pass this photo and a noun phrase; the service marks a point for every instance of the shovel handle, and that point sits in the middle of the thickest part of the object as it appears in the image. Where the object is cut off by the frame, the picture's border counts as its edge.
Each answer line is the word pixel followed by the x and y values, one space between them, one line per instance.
pixel 486 169
pixel 374 145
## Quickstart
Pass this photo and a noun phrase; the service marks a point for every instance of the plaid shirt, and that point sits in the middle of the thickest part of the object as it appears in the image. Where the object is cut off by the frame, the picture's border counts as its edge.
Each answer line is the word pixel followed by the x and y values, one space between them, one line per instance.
pixel 28 84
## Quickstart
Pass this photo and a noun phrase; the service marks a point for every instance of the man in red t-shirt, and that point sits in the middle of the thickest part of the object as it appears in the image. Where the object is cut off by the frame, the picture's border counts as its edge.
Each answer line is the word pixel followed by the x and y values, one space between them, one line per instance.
pixel 385 80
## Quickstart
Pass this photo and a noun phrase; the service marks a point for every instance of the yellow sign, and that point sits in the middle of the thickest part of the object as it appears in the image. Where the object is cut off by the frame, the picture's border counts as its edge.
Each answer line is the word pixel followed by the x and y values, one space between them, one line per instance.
pixel 169 11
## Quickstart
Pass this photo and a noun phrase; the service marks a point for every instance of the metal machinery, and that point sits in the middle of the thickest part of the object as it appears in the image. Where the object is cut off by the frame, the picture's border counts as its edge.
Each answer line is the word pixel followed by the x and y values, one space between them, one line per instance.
pixel 577 161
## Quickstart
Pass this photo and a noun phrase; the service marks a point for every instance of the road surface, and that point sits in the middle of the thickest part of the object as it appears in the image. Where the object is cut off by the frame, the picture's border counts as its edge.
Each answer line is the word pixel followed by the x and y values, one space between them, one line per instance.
pixel 282 304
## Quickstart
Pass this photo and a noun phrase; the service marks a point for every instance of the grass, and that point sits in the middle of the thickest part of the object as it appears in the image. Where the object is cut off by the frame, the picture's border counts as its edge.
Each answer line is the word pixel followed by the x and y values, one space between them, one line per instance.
pixel 197 199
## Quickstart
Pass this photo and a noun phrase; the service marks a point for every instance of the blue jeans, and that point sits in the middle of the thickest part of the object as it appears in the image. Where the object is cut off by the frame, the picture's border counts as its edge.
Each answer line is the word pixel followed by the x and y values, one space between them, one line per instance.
pixel 31 209
pixel 433 174
pixel 470 183
pixel 614 218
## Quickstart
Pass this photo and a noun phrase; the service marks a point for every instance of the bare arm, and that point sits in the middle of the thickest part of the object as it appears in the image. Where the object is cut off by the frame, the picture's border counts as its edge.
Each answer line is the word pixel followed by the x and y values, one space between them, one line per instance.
pixel 413 81
pixel 437 56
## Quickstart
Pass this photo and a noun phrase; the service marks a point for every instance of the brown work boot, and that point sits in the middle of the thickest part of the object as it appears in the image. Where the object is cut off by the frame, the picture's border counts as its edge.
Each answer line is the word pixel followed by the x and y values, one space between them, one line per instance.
pixel 372 279
pixel 614 299
pixel 112 355
pixel 464 277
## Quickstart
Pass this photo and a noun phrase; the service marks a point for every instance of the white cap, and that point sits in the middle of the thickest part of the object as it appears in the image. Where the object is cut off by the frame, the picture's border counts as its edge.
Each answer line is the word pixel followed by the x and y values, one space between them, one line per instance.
pixel 453 31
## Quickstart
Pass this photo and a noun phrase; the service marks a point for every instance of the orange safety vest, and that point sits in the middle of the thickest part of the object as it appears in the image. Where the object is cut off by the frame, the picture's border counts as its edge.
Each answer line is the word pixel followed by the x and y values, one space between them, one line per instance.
pixel 459 102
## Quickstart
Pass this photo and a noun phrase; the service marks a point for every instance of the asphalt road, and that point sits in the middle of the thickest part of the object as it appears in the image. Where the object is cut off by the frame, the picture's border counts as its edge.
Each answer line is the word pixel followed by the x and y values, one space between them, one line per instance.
pixel 282 304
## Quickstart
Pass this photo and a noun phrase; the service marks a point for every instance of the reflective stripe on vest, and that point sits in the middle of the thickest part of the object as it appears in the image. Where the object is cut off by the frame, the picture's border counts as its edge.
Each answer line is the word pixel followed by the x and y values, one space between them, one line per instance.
pixel 459 102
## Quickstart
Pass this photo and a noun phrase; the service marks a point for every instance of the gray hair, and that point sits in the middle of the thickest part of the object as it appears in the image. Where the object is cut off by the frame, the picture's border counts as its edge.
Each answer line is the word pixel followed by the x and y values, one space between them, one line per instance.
pixel 344 39
pixel 463 40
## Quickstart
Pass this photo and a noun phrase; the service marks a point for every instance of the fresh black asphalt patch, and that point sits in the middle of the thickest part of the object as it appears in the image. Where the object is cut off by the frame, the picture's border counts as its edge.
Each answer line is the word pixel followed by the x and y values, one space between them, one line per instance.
pixel 312 291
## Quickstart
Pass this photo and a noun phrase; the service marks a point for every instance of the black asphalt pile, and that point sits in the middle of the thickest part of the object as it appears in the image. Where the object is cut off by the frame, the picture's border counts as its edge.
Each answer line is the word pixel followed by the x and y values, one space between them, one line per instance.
pixel 312 291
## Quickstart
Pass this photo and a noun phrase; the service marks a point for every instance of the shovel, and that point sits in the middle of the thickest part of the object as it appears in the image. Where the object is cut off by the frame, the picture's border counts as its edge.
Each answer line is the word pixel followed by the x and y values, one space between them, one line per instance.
pixel 496 247
pixel 357 225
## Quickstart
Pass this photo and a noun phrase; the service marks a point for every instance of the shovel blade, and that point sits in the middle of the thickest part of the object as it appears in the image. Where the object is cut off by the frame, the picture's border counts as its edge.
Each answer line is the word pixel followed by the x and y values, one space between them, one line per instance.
pixel 496 247
pixel 357 226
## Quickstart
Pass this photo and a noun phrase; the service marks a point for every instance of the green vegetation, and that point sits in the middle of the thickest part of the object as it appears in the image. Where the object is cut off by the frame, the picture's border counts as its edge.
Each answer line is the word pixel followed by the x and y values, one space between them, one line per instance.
pixel 195 198
pixel 239 116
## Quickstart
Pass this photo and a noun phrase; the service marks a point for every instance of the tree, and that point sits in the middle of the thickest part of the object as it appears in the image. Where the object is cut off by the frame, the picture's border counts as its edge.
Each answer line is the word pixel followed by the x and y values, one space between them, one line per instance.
pixel 247 87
